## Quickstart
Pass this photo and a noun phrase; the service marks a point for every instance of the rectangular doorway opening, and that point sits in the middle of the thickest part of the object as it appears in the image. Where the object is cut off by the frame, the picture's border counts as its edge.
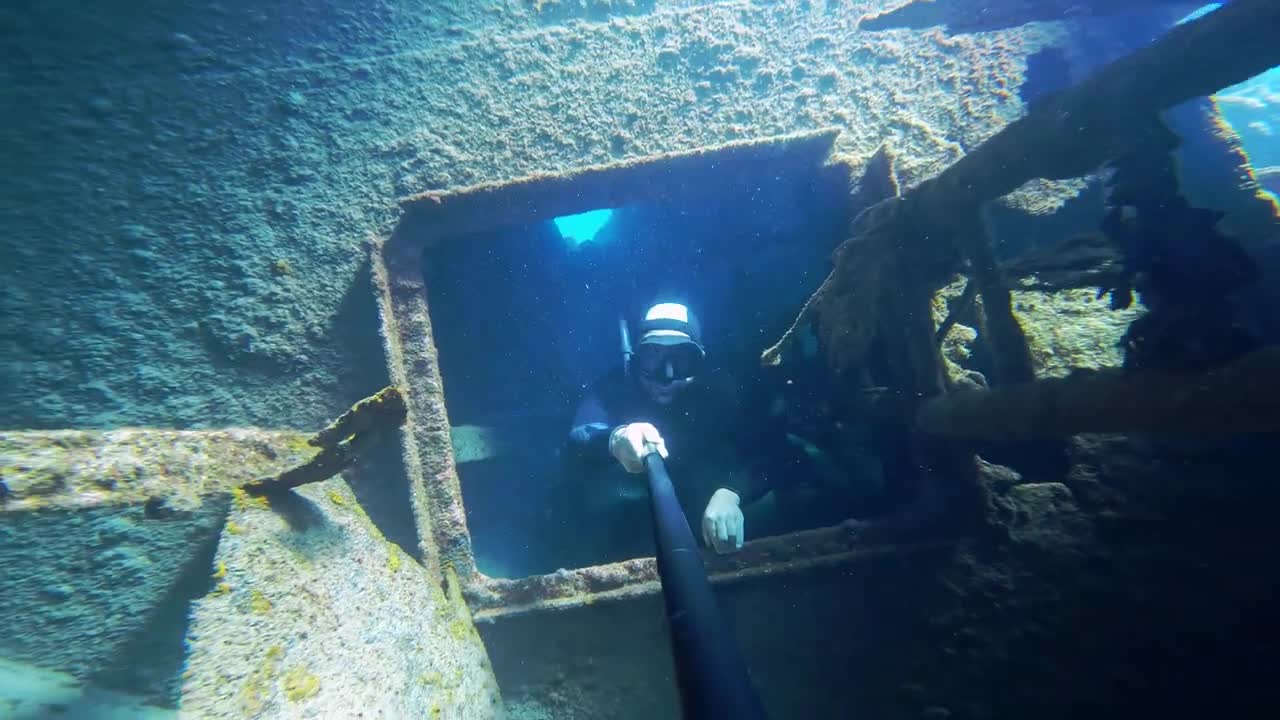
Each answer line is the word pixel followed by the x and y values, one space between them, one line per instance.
pixel 527 285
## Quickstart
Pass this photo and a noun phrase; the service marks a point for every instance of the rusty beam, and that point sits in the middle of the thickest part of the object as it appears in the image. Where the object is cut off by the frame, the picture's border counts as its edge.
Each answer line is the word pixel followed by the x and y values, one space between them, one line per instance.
pixel 1067 135
pixel 848 543
pixel 1242 397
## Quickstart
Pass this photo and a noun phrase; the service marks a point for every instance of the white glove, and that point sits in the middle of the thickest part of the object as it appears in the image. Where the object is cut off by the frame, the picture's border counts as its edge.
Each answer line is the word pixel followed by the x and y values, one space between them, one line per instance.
pixel 631 443
pixel 722 523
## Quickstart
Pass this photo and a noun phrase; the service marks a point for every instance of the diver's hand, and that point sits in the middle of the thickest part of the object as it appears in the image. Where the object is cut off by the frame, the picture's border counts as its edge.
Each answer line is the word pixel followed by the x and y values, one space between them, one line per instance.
pixel 722 523
pixel 630 443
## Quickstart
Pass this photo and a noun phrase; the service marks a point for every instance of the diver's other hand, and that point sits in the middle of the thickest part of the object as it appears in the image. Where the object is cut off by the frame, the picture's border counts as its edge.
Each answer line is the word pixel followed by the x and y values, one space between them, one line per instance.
pixel 722 522
pixel 630 443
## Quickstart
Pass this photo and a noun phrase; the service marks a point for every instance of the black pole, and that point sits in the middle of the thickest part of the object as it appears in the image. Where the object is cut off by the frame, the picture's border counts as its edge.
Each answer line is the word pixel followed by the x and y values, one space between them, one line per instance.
pixel 710 671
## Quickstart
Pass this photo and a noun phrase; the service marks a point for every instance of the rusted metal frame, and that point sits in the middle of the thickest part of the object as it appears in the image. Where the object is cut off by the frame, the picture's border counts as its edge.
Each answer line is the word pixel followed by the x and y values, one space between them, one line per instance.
pixel 761 572
pixel 405 326
pixel 1241 397
pixel 437 499
pixel 848 543
pixel 398 270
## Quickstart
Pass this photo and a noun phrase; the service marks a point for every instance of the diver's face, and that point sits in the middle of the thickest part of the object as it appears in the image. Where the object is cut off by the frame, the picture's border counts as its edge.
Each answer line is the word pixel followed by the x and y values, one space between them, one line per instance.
pixel 666 370
pixel 663 394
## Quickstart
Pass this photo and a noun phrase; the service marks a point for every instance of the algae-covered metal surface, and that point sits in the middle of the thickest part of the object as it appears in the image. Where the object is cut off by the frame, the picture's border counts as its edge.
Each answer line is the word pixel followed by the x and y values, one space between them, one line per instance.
pixel 313 613
pixel 80 469
pixel 100 530
pixel 181 566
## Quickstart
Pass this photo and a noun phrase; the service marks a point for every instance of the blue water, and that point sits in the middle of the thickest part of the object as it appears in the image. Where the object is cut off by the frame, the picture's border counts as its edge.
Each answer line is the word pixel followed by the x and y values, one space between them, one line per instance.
pixel 211 214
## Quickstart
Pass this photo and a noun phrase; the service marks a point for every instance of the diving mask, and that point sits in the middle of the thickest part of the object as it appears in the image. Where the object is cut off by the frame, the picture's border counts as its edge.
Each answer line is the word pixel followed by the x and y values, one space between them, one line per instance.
pixel 668 364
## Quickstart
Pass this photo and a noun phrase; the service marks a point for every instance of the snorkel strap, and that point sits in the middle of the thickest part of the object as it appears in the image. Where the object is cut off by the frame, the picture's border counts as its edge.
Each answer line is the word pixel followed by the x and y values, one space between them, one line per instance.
pixel 627 352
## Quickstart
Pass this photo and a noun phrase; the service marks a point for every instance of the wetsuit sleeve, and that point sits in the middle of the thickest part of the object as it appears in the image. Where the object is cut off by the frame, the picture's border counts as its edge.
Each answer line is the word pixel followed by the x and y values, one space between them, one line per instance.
pixel 588 441
pixel 760 450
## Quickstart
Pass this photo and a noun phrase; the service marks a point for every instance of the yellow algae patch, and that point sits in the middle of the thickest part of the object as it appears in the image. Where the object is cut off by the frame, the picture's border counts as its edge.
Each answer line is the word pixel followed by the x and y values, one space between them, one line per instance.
pixel 301 444
pixel 300 684
pixel 257 687
pixel 336 498
pixel 443 612
pixel 244 501
pixel 393 557
pixel 460 625
pixel 221 572
pixel 259 603
pixel 222 589
pixel 234 528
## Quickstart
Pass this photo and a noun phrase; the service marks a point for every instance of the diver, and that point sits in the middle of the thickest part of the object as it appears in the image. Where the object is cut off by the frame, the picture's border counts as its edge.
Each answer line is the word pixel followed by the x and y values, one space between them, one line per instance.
pixel 667 398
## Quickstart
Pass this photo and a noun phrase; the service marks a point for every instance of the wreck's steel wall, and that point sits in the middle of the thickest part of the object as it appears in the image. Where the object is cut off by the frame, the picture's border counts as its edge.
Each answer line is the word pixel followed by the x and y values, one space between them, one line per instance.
pixel 188 187
pixel 831 641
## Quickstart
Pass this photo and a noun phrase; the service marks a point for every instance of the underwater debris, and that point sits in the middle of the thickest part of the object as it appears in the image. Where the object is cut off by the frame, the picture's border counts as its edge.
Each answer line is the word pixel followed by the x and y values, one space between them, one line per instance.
pixel 873 312
pixel 1182 266
pixel 386 405
pixel 878 183
pixel 341 442
pixel 934 228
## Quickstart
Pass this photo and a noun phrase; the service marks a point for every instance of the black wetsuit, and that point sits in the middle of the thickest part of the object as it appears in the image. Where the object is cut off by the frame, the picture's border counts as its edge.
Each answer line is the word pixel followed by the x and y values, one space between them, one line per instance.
pixel 713 438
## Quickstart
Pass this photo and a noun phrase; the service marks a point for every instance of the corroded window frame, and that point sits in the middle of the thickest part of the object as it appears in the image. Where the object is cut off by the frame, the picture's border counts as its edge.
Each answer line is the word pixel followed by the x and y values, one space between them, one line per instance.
pixel 412 355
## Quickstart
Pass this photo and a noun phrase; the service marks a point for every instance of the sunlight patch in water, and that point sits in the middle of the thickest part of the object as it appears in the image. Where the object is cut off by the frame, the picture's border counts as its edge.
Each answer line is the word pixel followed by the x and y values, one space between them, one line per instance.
pixel 1200 12
pixel 583 227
